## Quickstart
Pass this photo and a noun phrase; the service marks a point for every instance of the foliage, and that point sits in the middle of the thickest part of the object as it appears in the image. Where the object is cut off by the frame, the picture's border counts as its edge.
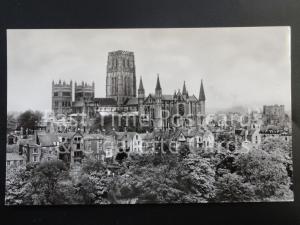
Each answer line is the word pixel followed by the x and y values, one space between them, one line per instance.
pixel 197 177
pixel 29 119
pixel 17 188
pixel 267 173
pixel 50 184
pixel 11 122
pixel 232 188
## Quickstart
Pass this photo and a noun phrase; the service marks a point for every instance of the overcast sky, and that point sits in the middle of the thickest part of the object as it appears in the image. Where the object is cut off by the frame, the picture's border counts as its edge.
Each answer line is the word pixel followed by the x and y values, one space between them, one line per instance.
pixel 239 66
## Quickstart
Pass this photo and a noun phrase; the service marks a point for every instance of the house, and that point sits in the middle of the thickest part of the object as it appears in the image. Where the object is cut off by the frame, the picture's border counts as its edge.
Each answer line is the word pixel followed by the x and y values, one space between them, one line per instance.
pixel 12 139
pixel 208 139
pixel 49 145
pixel 254 136
pixel 93 146
pixel 129 142
pixel 197 138
pixel 147 142
pixel 14 160
pixel 30 149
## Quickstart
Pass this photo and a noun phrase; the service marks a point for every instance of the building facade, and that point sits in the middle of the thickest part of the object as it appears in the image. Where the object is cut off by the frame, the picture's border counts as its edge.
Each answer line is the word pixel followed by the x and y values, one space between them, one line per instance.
pixel 62 97
pixel 159 111
pixel 120 77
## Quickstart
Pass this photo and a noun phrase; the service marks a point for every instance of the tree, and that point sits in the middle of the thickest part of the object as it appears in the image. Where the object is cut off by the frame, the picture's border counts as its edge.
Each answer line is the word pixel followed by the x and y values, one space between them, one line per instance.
pixel 94 183
pixel 267 173
pixel 196 178
pixel 17 188
pixel 11 122
pixel 29 119
pixel 51 184
pixel 232 188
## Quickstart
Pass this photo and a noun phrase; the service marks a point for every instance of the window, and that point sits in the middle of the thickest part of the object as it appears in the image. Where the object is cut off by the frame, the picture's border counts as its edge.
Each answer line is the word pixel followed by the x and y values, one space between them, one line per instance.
pixel 66 94
pixel 35 150
pixel 181 109
pixel 78 146
pixel 35 158
pixel 55 94
pixel 8 163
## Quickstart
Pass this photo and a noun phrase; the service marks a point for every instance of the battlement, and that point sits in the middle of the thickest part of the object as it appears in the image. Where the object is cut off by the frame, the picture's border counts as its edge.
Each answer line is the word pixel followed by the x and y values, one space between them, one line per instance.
pixel 61 84
pixel 84 85
pixel 120 52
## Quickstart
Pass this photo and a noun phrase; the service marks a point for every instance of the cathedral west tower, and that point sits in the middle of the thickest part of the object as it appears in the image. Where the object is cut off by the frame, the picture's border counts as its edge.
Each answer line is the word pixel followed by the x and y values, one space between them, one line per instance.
pixel 120 77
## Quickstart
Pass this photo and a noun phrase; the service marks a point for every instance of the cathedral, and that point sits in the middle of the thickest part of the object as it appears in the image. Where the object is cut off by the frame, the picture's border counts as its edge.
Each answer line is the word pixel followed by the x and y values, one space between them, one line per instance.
pixel 156 110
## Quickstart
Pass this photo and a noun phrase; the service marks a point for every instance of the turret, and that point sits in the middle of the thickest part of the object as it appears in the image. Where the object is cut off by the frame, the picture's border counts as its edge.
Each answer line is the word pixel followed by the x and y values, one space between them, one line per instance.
pixel 202 99
pixel 158 90
pixel 158 108
pixel 141 90
pixel 184 91
pixel 202 94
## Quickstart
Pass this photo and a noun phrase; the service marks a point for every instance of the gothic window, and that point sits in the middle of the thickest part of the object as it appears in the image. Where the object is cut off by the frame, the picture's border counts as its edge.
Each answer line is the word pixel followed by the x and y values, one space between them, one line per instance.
pixel 181 109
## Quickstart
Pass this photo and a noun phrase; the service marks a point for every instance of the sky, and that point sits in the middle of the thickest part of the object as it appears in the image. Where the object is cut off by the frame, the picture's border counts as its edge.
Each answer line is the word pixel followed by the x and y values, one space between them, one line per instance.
pixel 247 66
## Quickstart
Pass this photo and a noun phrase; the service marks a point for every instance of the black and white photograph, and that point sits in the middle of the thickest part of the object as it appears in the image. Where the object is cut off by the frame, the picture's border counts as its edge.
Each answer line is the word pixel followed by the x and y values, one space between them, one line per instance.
pixel 149 116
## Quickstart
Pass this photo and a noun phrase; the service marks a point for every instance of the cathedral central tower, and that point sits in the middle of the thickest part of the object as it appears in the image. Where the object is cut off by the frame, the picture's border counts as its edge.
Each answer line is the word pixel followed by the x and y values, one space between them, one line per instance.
pixel 120 77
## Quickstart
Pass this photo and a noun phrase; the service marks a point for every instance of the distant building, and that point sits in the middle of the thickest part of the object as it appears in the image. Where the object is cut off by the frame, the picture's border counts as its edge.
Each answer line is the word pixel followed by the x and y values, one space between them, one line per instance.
pixel 157 110
pixel 62 97
pixel 274 115
pixel 14 160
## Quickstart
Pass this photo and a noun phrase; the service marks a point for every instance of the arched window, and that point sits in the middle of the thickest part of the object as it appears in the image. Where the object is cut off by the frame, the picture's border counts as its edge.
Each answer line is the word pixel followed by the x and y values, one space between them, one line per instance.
pixel 181 109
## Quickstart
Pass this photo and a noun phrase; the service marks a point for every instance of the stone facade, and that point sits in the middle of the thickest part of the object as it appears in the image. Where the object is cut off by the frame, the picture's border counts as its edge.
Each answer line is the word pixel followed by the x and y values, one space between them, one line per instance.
pixel 159 111
pixel 162 111
pixel 273 115
pixel 62 97
pixel 120 79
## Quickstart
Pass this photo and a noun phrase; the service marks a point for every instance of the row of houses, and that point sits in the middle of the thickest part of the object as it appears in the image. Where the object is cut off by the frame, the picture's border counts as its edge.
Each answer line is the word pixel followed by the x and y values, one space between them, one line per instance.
pixel 74 147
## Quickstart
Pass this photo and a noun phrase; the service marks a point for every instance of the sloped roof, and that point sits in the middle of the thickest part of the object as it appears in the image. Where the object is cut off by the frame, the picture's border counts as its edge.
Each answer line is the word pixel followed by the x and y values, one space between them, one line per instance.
pixel 147 136
pixel 167 97
pixel 13 156
pixel 192 98
pixel 125 135
pixel 28 141
pixel 105 101
pixel 93 136
pixel 131 101
pixel 47 139
pixel 78 104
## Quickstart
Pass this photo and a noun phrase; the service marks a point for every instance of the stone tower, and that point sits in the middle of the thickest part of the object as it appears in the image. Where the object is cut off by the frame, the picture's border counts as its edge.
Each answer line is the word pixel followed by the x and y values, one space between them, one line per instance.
pixel 120 78
pixel 158 107
pixel 84 92
pixel 61 97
